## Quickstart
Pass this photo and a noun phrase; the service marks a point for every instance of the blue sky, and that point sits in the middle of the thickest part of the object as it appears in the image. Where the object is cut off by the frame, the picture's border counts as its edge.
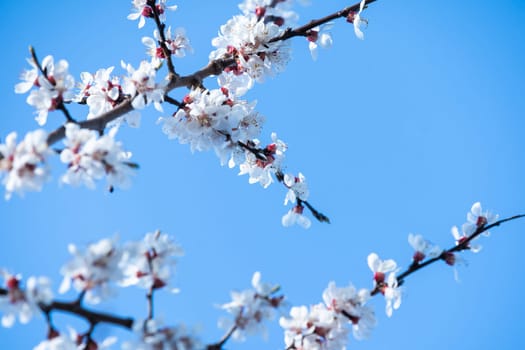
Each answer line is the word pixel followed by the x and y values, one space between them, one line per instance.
pixel 398 133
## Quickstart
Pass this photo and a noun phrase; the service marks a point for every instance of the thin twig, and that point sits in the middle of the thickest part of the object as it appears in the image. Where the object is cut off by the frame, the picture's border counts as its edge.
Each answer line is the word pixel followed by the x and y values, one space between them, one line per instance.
pixel 167 53
pixel 303 30
pixel 60 105
pixel 463 245
pixel 173 101
pixel 224 339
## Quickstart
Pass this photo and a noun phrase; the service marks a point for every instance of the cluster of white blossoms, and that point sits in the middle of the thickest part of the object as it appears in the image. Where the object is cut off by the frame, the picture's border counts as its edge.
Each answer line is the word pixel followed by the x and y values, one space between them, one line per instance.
pixel 216 119
pixel 150 263
pixel 250 39
pixel 55 86
pixel 23 166
pixel 92 271
pixel 251 307
pixel 95 271
pixel 105 264
pixel 247 38
pixel 327 325
pixel 213 119
pixel 100 91
pixel 90 157
pixel 140 84
pixel 314 328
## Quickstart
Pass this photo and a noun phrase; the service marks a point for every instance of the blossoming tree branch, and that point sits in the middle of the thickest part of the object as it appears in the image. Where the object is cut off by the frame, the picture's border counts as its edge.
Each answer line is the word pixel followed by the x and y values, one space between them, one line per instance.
pixel 250 47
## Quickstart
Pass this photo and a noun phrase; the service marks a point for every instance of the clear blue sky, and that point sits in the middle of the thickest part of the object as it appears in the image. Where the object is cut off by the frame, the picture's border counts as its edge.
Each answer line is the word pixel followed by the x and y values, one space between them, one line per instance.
pixel 399 133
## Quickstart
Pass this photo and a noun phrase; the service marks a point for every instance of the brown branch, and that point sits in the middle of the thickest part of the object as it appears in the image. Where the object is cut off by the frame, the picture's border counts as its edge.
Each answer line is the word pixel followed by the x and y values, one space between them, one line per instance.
pixel 99 123
pixel 303 30
pixel 173 101
pixel 161 26
pixel 64 110
pixel 317 214
pixel 93 317
pixel 218 345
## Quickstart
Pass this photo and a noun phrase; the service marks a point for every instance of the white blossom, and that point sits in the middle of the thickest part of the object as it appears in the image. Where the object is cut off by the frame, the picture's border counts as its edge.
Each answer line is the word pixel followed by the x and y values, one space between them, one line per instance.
pixel 478 218
pixel 93 271
pixel 55 88
pixel 422 247
pixel 141 86
pixel 461 238
pixel 387 286
pixel 297 188
pixel 177 44
pixel 23 303
pixel 358 22
pixel 392 293
pixel 29 78
pixel 350 302
pixel 23 166
pixel 318 36
pixel 251 308
pixel 141 10
pixel 380 267
pixel 295 216
pixel 150 263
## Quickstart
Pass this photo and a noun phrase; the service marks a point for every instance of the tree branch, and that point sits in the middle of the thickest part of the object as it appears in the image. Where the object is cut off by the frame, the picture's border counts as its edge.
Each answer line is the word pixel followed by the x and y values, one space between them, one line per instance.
pixel 93 317
pixel 463 245
pixel 303 30
pixel 161 26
